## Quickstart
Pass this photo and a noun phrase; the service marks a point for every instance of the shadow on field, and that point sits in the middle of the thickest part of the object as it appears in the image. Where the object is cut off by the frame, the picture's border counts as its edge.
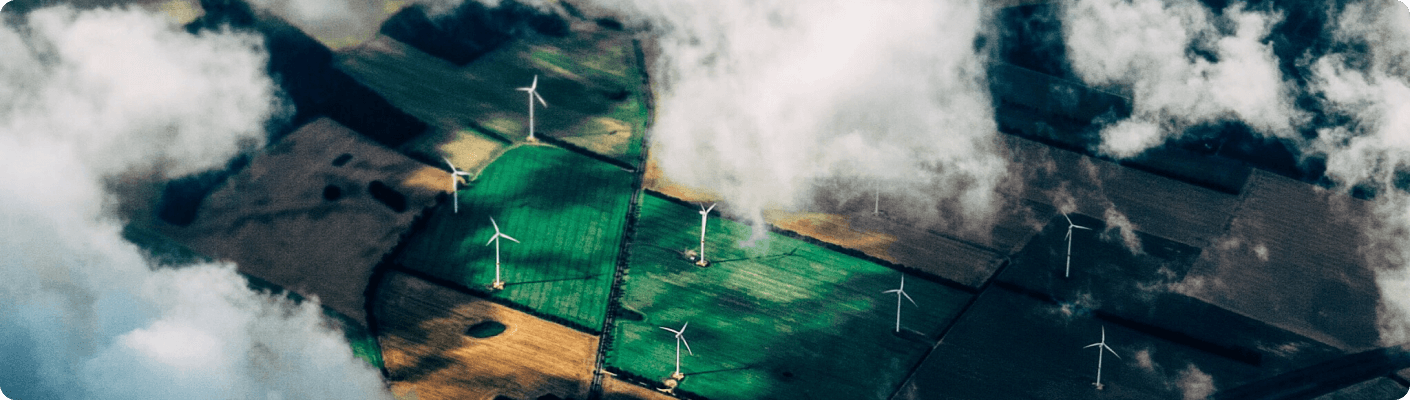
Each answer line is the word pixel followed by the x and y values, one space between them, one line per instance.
pixel 470 30
pixel 581 278
pixel 824 336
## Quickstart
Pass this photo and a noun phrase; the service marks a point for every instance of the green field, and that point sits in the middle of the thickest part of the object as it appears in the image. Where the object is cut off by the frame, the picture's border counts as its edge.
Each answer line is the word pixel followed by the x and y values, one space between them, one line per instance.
pixel 566 209
pixel 764 324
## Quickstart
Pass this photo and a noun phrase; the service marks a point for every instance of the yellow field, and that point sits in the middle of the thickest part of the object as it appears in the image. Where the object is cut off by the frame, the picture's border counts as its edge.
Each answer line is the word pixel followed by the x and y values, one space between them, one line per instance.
pixel 429 356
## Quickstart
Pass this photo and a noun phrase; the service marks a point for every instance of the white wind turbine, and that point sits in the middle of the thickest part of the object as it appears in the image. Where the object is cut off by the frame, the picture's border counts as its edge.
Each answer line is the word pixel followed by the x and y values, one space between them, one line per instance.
pixel 455 175
pixel 876 205
pixel 704 214
pixel 498 284
pixel 680 338
pixel 1101 346
pixel 901 292
pixel 533 94
pixel 1070 226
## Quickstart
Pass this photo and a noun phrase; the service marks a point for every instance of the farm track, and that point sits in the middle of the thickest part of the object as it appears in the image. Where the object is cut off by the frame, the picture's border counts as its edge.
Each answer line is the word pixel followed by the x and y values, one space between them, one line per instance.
pixel 614 297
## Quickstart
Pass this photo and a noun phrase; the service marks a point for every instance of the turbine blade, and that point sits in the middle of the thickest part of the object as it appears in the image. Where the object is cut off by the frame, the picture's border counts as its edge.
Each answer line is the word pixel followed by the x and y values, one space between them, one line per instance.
pixel 1090 345
pixel 712 207
pixel 496 225
pixel 908 297
pixel 1081 227
pixel 687 345
pixel 1069 234
pixel 1069 220
pixel 492 238
pixel 1113 352
pixel 452 166
pixel 524 89
pixel 671 330
pixel 892 291
pixel 536 96
pixel 683 327
pixel 535 85
pixel 507 237
pixel 462 173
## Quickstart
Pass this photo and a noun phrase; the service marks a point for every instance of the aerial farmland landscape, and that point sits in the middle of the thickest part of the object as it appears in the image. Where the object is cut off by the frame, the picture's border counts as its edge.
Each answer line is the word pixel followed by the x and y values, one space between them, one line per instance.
pixel 723 199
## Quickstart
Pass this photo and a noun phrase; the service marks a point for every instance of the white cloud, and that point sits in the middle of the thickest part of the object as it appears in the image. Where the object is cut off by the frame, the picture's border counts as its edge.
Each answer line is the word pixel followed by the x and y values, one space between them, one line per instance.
pixel 94 94
pixel 1119 228
pixel 1194 384
pixel 759 99
pixel 1142 47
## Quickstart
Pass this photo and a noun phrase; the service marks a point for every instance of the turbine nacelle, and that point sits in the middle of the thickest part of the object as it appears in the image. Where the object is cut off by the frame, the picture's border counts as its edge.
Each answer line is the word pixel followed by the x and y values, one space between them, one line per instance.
pixel 680 336
pixel 455 177
pixel 498 234
pixel 533 91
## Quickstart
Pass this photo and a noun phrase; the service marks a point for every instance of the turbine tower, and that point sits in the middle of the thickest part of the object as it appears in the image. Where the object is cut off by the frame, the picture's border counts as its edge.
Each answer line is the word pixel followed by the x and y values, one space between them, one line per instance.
pixel 1070 226
pixel 1101 346
pixel 680 338
pixel 498 284
pixel 455 177
pixel 876 205
pixel 704 213
pixel 533 94
pixel 899 293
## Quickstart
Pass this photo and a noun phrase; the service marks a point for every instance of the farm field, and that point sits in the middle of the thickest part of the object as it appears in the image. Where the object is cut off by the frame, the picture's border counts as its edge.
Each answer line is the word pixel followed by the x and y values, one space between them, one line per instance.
pixel 441 343
pixel 897 243
pixel 783 319
pixel 568 212
pixel 590 80
pixel 163 251
pixel 1298 266
pixel 1145 288
pixel 314 213
pixel 1012 346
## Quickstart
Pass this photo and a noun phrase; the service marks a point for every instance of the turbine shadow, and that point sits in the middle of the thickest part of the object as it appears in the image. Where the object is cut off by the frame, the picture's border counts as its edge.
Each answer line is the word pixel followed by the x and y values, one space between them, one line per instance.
pixel 583 278
pixel 790 253
pixel 746 367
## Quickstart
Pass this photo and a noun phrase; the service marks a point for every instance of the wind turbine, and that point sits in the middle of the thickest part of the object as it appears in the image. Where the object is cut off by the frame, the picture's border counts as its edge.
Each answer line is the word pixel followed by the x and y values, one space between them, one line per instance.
pixel 455 175
pixel 533 94
pixel 901 292
pixel 1070 226
pixel 1101 346
pixel 498 284
pixel 704 213
pixel 679 339
pixel 876 205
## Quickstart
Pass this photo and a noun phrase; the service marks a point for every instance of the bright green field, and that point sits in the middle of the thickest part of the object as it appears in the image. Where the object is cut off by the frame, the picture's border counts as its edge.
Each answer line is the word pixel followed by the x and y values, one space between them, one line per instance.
pixel 814 325
pixel 566 209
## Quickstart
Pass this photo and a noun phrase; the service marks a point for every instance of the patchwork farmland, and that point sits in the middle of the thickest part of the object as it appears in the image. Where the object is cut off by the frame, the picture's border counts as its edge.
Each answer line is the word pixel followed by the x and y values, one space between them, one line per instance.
pixel 781 319
pixel 567 211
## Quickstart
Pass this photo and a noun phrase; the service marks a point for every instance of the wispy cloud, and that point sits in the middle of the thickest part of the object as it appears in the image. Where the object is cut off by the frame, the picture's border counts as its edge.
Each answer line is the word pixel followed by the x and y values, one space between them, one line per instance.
pixel 760 99
pixel 1144 48
pixel 94 94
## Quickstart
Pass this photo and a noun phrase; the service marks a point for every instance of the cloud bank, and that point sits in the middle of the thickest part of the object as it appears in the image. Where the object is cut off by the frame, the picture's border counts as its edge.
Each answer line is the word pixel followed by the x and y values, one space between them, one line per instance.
pixel 94 94
pixel 1182 66
pixel 761 100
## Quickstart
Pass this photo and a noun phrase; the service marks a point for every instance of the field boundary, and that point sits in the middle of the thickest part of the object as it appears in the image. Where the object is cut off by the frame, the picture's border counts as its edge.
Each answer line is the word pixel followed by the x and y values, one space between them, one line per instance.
pixel 379 271
pixel 501 301
pixel 614 293
pixel 858 254
pixel 565 145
